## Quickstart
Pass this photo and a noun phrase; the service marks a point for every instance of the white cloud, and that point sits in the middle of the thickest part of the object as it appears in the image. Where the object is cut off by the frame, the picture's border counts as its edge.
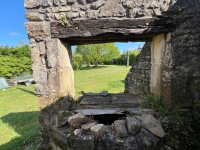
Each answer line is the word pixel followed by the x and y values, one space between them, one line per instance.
pixel 14 34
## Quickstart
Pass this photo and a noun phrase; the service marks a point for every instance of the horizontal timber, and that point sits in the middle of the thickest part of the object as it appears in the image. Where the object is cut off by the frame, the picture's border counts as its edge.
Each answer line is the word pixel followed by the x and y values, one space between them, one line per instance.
pixel 108 30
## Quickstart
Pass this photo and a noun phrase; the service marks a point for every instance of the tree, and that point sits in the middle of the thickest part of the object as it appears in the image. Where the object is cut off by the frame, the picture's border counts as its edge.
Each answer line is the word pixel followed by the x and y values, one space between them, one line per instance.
pixel 77 61
pixel 15 61
pixel 96 53
pixel 122 60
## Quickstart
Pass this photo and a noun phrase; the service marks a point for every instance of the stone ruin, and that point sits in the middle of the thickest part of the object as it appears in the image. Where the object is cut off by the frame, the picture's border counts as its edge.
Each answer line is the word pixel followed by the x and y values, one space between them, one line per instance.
pixel 168 65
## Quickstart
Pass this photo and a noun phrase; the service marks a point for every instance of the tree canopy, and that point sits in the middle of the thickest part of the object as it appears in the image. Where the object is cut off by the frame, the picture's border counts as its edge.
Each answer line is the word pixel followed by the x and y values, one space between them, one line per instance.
pixel 15 61
pixel 96 53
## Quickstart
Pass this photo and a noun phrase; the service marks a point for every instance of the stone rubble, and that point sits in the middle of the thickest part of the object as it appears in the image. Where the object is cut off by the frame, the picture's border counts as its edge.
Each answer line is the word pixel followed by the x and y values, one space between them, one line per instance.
pixel 98 130
pixel 77 120
pixel 152 124
pixel 62 118
pixel 120 128
pixel 78 132
pixel 133 125
pixel 87 126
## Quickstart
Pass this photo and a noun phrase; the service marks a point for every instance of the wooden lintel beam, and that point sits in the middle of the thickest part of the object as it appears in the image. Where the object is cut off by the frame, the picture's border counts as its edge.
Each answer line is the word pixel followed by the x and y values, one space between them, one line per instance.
pixel 96 28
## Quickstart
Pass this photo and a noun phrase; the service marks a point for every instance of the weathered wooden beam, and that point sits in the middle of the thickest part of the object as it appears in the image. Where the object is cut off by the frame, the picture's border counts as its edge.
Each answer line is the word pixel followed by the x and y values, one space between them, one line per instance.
pixel 104 29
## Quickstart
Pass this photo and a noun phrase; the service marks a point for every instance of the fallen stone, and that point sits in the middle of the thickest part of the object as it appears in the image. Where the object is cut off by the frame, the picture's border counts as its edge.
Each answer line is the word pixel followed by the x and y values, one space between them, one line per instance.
pixel 120 128
pixel 87 126
pixel 62 118
pixel 150 123
pixel 133 125
pixel 120 140
pixel 104 93
pixel 98 130
pixel 77 120
pixel 78 132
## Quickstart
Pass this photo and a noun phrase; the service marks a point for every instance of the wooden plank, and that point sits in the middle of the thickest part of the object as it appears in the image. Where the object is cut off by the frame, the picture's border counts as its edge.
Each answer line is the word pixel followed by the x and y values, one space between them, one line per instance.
pixel 112 101
pixel 107 111
pixel 100 30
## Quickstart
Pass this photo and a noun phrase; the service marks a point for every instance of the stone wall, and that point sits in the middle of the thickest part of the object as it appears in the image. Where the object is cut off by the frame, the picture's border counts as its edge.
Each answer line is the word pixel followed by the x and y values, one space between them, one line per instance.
pixel 186 61
pixel 175 69
pixel 51 10
pixel 178 57
pixel 138 78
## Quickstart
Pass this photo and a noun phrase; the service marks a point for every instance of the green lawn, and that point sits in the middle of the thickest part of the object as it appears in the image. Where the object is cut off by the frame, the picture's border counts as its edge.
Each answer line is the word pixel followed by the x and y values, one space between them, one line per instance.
pixel 18 118
pixel 19 110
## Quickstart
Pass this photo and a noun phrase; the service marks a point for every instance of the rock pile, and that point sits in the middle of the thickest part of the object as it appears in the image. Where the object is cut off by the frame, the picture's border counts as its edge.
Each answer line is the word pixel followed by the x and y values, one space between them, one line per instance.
pixel 144 127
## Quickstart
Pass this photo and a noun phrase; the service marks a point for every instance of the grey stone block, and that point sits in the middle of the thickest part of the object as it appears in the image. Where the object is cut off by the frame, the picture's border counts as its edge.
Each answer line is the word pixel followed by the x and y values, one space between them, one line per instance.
pixel 120 128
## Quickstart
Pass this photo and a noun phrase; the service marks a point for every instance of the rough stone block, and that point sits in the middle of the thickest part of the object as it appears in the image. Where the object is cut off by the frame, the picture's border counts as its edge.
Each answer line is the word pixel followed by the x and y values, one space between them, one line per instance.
pixel 38 30
pixel 32 3
pixel 133 125
pixel 65 8
pixel 75 7
pixel 97 4
pixel 56 2
pixel 40 89
pixel 47 3
pixel 73 15
pixel 82 2
pixel 57 17
pixel 71 1
pixel 82 14
pixel 87 126
pixel 34 16
pixel 35 55
pixel 40 73
pixel 61 81
pixel 108 10
pixel 120 128
pixel 84 8
pixel 152 124
pixel 62 118
pixel 63 2
pixel 77 120
pixel 89 1
pixel 98 130
pixel 85 143
pixel 78 132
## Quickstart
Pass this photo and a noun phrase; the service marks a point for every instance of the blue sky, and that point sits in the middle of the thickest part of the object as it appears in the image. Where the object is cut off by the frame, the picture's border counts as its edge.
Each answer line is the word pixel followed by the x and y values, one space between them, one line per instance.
pixel 12 29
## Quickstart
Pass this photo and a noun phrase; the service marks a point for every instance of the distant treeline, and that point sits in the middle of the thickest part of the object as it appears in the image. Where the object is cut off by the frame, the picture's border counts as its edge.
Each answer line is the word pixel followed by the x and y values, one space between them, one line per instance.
pixel 15 61
pixel 95 54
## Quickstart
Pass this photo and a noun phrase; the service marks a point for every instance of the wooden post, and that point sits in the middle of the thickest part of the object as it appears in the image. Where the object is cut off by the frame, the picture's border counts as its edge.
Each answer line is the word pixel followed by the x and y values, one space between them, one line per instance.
pixel 127 64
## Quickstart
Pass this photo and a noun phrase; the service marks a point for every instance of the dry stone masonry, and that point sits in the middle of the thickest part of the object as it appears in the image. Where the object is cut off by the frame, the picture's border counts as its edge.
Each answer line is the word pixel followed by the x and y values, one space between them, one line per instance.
pixel 168 65
pixel 138 78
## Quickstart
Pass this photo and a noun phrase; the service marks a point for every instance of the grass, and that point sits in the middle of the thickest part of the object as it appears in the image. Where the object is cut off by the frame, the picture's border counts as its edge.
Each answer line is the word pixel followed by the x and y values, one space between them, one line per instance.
pixel 19 109
pixel 110 78
pixel 18 118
